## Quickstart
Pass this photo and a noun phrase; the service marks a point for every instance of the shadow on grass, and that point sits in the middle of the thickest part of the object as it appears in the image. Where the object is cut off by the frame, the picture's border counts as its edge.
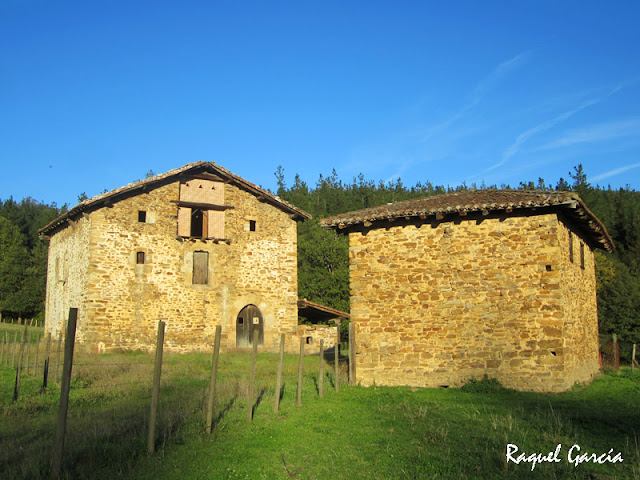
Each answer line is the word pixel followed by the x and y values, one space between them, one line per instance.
pixel 223 412
pixel 258 401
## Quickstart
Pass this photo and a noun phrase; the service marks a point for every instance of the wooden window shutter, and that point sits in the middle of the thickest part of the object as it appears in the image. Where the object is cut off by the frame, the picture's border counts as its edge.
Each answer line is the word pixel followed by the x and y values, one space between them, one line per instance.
pixel 205 224
pixel 216 224
pixel 200 268
pixel 184 222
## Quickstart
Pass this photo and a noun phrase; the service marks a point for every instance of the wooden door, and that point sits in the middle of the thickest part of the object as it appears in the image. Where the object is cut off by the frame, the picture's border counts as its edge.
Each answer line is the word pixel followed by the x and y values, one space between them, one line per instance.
pixel 249 319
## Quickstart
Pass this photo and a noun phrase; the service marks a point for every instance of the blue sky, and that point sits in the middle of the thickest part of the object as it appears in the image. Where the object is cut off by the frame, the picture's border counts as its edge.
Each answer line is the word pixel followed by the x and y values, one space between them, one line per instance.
pixel 95 94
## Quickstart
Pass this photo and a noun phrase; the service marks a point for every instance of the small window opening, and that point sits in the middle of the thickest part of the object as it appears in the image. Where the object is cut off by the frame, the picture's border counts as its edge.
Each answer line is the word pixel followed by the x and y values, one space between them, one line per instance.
pixel 197 223
pixel 252 225
pixel 142 216
pixel 309 340
pixel 140 258
pixel 582 255
pixel 571 247
pixel 548 267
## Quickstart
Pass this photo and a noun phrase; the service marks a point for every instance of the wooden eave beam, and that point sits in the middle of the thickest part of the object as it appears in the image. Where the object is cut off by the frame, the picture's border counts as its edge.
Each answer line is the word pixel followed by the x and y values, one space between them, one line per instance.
pixel 206 206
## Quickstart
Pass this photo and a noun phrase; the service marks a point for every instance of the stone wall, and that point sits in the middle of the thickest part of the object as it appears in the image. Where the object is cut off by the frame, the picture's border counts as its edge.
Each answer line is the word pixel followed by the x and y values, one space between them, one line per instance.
pixel 437 304
pixel 67 278
pixel 124 300
pixel 313 334
pixel 580 329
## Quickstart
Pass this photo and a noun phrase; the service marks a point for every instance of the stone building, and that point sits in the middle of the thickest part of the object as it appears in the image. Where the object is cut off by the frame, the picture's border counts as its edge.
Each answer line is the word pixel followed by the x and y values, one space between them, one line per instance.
pixel 455 286
pixel 196 247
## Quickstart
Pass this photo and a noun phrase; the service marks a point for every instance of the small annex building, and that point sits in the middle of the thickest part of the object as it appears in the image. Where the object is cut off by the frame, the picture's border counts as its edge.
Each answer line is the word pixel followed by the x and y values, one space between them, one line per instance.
pixel 459 285
pixel 195 247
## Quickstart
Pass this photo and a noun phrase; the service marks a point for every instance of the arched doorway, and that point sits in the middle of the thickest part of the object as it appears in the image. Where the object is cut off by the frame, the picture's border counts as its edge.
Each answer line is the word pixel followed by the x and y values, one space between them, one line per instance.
pixel 249 319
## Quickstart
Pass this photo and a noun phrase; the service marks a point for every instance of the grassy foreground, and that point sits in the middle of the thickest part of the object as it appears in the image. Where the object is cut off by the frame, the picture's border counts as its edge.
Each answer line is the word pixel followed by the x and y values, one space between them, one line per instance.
pixel 368 433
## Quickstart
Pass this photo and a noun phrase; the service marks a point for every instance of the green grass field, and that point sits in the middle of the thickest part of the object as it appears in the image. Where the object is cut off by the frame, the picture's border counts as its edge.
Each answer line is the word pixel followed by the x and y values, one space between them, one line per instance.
pixel 368 433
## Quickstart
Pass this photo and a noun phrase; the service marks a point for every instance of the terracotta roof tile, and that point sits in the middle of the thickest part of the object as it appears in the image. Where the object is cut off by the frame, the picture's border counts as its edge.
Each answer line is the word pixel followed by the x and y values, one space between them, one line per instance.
pixel 484 201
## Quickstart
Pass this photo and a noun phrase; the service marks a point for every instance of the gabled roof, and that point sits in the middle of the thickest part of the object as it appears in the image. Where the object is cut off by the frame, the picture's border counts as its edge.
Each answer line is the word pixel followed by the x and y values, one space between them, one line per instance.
pixel 478 201
pixel 147 184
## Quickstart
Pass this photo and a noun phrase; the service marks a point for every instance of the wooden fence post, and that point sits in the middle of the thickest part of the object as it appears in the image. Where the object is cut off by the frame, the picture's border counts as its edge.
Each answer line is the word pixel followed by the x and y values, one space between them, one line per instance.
pixel 352 354
pixel 300 366
pixel 15 347
pixel 61 425
pixel 35 362
pixel 16 389
pixel 633 358
pixel 214 374
pixel 58 372
pixel 47 352
pixel 321 378
pixel 336 363
pixel 157 370
pixel 29 348
pixel 276 402
pixel 252 378
pixel 4 342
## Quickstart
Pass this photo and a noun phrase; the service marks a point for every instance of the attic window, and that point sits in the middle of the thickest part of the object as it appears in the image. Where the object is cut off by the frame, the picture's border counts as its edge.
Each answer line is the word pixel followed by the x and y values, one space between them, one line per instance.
pixel 140 258
pixel 142 216
pixel 201 209
pixel 197 223
pixel 252 225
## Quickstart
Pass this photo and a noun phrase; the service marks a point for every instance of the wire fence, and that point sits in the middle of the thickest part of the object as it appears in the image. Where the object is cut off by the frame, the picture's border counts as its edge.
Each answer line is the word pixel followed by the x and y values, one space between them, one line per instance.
pixel 127 385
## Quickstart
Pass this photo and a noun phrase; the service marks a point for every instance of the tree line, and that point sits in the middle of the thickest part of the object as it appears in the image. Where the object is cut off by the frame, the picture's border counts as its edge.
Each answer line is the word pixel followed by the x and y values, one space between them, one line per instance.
pixel 323 263
pixel 23 257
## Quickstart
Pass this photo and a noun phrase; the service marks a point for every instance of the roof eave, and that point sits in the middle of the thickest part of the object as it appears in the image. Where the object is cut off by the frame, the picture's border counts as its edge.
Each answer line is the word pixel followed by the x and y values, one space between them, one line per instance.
pixel 116 195
pixel 593 225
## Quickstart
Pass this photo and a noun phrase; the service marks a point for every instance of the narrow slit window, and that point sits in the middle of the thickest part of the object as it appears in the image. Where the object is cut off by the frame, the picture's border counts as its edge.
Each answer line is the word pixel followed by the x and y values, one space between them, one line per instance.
pixel 142 216
pixel 571 247
pixel 582 255
pixel 200 268
pixel 252 225
pixel 140 258
pixel 309 340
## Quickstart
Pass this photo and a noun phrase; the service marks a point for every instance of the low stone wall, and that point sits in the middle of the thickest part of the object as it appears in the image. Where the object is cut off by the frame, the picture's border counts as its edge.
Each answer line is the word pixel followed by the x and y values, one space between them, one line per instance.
pixel 313 334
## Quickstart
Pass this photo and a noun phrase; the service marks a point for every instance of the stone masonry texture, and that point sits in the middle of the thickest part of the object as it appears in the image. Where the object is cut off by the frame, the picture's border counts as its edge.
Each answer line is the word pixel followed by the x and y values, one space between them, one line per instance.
pixel 438 303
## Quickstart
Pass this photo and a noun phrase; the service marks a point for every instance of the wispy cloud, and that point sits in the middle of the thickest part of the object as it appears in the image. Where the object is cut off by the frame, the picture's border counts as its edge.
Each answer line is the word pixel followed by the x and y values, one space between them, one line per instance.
pixel 499 71
pixel 596 133
pixel 416 153
pixel 615 171
pixel 521 139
